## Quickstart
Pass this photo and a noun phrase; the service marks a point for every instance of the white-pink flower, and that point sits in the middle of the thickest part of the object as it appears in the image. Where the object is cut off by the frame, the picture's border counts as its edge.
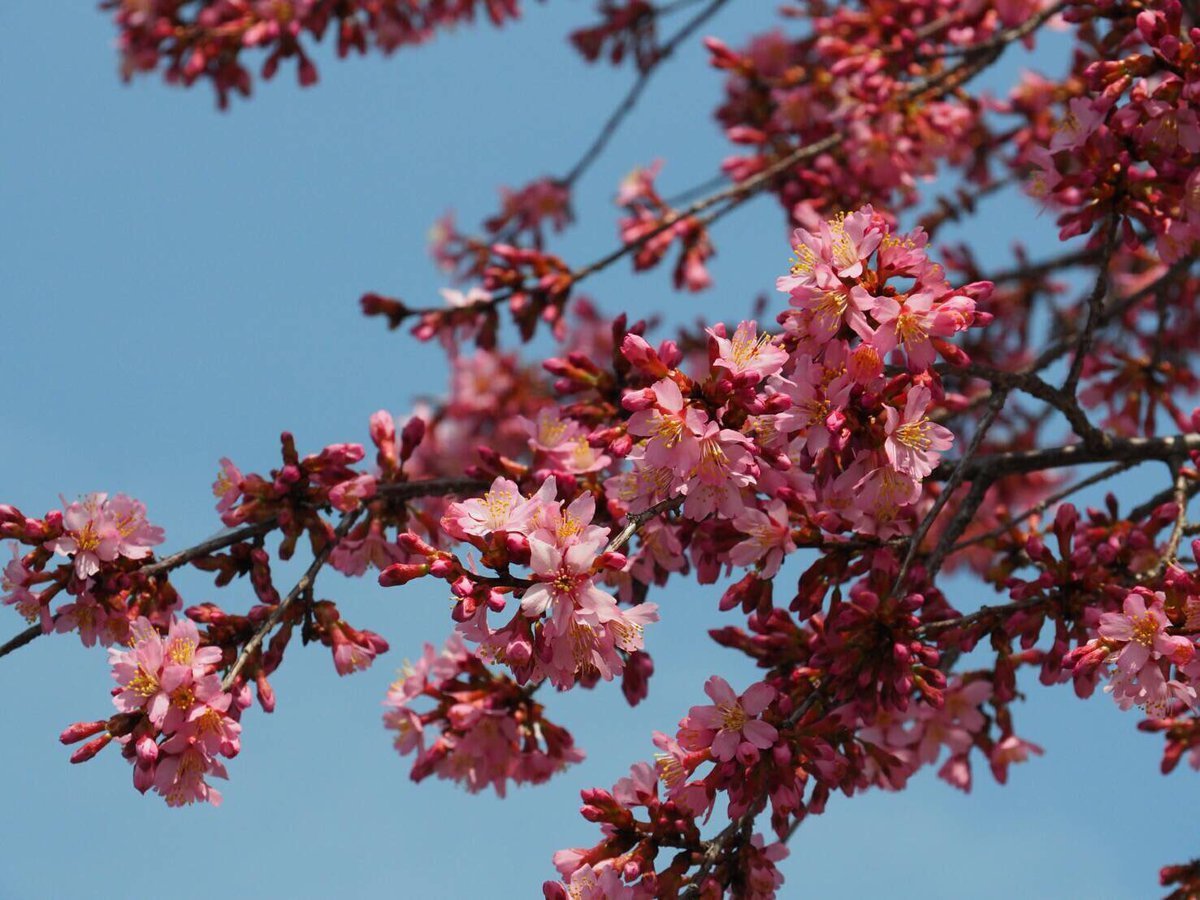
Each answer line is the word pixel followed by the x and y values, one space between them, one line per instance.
pixel 748 353
pixel 914 443
pixel 768 537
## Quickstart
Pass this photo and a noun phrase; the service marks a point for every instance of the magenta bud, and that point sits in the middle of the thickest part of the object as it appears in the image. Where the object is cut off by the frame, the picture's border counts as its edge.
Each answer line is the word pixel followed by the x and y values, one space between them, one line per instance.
pixel 147 749
pixel 621 446
pixel 143 777
pixel 90 749
pixel 518 651
pixel 402 573
pixel 612 560
pixel 516 544
pixel 413 544
pixel 266 693
pixel 635 401
pixel 412 435
pixel 72 734
pixel 777 403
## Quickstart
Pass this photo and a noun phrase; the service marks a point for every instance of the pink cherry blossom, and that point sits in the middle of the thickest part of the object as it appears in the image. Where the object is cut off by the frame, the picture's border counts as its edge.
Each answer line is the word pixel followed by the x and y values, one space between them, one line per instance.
pixel 671 428
pixel 914 443
pixel 90 536
pixel 731 722
pixel 563 578
pixel 1141 631
pixel 228 486
pixel 748 353
pixel 769 537
pixel 502 508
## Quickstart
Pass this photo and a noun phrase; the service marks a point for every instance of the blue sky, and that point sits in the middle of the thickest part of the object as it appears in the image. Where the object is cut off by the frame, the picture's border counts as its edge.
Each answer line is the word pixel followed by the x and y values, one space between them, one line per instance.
pixel 180 284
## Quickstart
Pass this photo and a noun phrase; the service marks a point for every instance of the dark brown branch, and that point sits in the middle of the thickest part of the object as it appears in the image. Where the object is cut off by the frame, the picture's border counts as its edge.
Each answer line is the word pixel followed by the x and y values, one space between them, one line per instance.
pixel 1095 307
pixel 1042 506
pixel 20 640
pixel 1119 449
pixel 1031 383
pixel 218 542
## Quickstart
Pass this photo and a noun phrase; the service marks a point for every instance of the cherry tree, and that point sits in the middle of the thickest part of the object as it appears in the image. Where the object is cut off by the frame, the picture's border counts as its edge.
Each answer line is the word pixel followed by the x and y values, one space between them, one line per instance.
pixel 897 413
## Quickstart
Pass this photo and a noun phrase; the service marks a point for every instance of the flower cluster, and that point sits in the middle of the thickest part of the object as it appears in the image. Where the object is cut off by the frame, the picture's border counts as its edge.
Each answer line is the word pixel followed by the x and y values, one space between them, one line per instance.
pixel 1126 141
pixel 636 820
pixel 1139 654
pixel 551 507
pixel 207 43
pixel 483 730
pixel 567 627
pixel 105 540
pixel 174 719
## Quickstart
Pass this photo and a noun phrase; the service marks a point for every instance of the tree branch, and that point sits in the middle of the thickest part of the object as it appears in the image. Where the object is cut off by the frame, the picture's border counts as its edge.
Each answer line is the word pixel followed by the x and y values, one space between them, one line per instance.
pixel 1119 449
pixel 1095 308
pixel 429 487
pixel 301 586
pixel 627 104
pixel 956 478
pixel 1095 478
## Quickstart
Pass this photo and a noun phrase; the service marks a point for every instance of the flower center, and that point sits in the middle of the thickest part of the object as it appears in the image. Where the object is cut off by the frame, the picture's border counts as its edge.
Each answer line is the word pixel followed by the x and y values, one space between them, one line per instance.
pixel 143 683
pixel 915 435
pixel 745 349
pixel 499 504
pixel 733 717
pixel 87 539
pixel 1145 630
pixel 181 651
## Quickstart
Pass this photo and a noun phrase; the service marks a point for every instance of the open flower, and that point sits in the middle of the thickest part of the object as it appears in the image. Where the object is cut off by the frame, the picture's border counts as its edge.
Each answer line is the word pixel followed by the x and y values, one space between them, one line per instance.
pixel 730 722
pixel 914 443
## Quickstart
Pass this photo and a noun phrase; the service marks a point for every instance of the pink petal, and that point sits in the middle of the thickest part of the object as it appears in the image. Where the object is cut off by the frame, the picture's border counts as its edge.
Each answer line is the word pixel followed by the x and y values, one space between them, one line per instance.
pixel 759 733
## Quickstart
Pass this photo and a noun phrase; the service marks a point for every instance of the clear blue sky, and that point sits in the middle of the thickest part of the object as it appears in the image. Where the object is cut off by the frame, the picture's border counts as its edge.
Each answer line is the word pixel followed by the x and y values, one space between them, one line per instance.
pixel 180 284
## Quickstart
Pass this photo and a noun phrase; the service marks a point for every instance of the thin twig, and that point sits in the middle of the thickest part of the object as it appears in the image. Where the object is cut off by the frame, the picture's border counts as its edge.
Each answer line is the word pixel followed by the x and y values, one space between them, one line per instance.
pixel 1171 551
pixel 737 193
pixel 637 520
pixel 1042 506
pixel 304 584
pixel 1115 310
pixel 1147 507
pixel 956 477
pixel 984 612
pixel 629 101
pixel 1002 39
pixel 1095 307
pixel 1031 383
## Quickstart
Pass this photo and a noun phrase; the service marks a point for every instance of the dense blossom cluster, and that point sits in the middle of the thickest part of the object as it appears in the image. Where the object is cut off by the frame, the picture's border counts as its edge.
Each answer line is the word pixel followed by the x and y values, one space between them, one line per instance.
pixel 174 719
pixel 205 40
pixel 898 412
pixel 486 730
pixel 103 540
